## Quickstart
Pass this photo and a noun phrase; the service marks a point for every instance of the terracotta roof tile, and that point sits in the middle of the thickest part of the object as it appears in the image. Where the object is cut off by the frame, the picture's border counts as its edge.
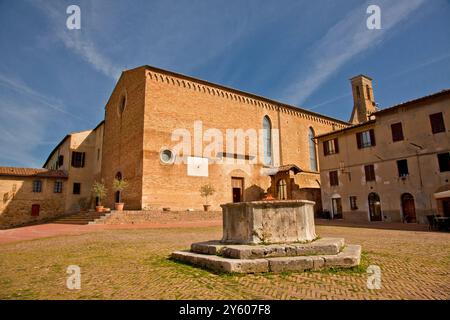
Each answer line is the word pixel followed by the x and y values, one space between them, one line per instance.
pixel 32 172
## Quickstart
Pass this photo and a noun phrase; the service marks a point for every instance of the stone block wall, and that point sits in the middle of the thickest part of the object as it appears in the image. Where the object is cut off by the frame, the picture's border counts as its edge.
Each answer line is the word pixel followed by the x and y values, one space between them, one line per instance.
pixel 18 198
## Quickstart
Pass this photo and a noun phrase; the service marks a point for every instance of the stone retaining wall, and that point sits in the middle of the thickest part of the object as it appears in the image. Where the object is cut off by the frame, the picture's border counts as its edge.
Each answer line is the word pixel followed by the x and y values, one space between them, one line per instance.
pixel 136 217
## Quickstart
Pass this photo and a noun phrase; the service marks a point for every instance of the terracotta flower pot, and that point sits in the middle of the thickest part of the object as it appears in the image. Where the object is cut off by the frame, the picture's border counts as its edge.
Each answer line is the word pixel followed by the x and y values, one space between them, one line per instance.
pixel 99 208
pixel 206 207
pixel 118 206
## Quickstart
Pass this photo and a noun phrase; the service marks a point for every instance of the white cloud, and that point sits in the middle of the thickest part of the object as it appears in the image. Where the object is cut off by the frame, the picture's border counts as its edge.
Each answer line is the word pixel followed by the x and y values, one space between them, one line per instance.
pixel 343 41
pixel 25 91
pixel 21 133
pixel 78 41
pixel 87 50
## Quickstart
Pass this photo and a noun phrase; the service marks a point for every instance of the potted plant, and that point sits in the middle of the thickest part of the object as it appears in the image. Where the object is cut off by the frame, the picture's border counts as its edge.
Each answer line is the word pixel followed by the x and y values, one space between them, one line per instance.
pixel 99 190
pixel 206 191
pixel 83 203
pixel 119 185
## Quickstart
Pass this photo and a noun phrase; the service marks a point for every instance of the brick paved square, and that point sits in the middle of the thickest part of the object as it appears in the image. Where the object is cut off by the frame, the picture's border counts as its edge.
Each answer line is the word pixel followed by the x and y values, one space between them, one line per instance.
pixel 134 264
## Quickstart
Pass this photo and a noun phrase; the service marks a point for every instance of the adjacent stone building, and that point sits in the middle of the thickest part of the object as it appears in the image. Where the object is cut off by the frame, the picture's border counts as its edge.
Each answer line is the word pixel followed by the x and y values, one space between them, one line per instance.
pixel 392 164
pixel 30 195
pixel 79 154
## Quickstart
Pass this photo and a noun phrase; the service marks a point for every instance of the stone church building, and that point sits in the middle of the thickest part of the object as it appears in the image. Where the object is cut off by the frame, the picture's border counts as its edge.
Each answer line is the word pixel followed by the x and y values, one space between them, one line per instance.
pixel 148 105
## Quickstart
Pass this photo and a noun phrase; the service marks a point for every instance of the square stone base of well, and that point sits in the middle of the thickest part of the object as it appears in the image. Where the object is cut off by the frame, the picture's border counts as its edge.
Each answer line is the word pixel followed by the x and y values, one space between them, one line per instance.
pixel 320 254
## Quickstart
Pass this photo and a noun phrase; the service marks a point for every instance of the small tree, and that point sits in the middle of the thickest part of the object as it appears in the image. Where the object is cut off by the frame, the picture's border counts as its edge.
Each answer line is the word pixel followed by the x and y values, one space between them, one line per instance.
pixel 206 191
pixel 99 190
pixel 120 185
pixel 83 203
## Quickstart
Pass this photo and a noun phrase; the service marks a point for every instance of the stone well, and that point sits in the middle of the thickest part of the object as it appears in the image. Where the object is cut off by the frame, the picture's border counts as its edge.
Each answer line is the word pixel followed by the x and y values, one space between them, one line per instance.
pixel 270 236
pixel 259 222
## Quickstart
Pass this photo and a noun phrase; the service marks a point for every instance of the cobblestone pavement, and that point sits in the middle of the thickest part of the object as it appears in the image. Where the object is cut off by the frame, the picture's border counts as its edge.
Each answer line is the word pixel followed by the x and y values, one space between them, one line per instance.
pixel 52 229
pixel 133 264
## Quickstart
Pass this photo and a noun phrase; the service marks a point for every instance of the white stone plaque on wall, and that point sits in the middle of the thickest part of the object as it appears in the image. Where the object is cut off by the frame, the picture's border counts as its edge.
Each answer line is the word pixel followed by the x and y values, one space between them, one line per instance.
pixel 197 167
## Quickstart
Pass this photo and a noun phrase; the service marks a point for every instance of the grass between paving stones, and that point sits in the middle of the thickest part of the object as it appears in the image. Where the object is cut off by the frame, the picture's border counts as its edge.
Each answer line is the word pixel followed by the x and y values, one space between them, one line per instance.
pixel 134 264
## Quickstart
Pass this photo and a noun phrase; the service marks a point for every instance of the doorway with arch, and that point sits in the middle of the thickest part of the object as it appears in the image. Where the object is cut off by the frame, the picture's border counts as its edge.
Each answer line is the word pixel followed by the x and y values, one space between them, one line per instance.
pixel 374 207
pixel 408 207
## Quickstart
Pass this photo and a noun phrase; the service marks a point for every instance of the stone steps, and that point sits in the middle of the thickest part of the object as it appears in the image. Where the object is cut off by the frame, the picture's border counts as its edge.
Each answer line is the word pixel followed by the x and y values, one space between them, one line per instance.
pixel 329 246
pixel 350 256
pixel 79 218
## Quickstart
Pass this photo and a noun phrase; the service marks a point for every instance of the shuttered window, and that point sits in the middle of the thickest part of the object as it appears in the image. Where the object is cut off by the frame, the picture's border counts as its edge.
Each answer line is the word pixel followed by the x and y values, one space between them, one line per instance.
pixel 444 162
pixel 437 123
pixel 331 147
pixel 397 131
pixel 57 187
pixel 365 139
pixel 76 188
pixel 60 160
pixel 334 179
pixel 402 167
pixel 78 159
pixel 37 186
pixel 370 172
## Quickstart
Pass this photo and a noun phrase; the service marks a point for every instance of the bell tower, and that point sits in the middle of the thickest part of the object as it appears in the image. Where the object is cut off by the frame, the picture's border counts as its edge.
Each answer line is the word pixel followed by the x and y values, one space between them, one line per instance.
pixel 363 100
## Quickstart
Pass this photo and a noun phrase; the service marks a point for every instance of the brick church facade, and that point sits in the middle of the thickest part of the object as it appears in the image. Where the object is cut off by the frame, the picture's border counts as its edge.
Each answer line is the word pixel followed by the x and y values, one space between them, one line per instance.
pixel 149 104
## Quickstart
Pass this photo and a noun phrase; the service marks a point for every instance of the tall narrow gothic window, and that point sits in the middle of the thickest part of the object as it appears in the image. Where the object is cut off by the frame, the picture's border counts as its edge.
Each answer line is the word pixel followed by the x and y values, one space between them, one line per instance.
pixel 312 150
pixel 267 136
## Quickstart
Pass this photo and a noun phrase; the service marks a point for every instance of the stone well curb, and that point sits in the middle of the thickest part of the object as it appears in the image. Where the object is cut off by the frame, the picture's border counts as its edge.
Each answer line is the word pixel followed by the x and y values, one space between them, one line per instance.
pixel 349 257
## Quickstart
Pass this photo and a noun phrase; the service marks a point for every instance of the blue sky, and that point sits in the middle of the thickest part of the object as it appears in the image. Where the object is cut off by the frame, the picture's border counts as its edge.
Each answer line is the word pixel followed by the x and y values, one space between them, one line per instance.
pixel 54 80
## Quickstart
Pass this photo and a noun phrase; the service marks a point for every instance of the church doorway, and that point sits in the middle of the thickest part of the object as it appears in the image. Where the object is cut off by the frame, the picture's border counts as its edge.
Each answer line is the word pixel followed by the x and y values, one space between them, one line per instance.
pixel 237 187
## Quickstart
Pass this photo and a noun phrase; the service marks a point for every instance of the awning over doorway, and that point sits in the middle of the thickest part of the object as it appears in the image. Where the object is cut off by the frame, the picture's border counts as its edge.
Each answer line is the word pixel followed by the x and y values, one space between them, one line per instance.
pixel 443 194
pixel 289 167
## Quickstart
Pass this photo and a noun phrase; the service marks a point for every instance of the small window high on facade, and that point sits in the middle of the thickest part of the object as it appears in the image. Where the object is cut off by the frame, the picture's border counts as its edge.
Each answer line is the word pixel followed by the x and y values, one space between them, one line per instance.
pixel 37 186
pixel 330 147
pixel 60 160
pixel 334 178
pixel 365 139
pixel 369 171
pixel 78 159
pixel 444 161
pixel 397 132
pixel 57 188
pixel 437 123
pixel 402 167
pixel 76 188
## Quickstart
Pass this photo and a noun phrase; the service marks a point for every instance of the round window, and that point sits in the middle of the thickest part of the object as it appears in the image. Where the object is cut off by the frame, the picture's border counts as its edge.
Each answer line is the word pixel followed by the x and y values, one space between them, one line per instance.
pixel 166 156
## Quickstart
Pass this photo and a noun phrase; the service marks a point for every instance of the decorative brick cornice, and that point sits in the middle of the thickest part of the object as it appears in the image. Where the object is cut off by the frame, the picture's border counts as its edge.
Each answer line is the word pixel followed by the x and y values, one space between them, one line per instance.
pixel 205 87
